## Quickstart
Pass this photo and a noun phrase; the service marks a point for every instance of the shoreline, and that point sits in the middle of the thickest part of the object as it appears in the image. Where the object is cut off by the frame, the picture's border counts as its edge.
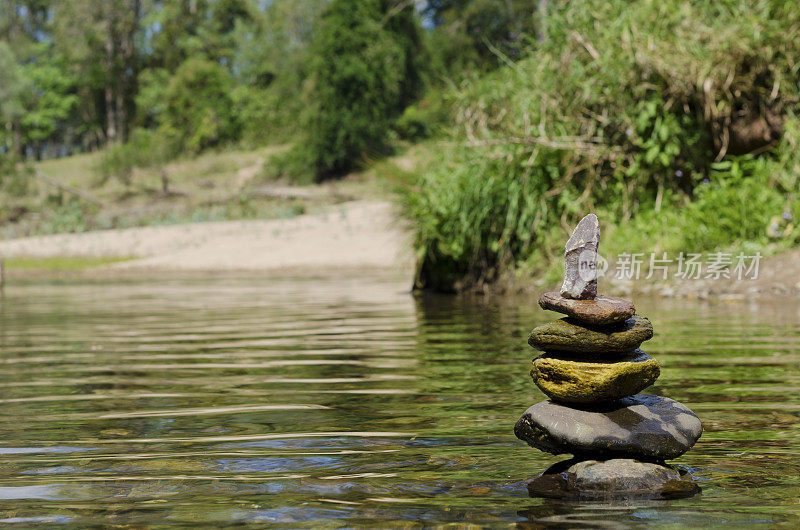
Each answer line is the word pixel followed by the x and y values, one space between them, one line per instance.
pixel 362 234
pixel 354 237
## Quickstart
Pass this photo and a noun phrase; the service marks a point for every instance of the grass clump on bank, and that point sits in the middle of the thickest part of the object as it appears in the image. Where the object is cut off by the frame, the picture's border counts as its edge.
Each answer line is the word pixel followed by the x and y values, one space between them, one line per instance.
pixel 60 263
pixel 674 122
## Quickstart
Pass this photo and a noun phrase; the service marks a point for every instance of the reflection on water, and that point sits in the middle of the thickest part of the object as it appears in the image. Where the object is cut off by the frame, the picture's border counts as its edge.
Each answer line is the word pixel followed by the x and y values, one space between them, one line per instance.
pixel 343 401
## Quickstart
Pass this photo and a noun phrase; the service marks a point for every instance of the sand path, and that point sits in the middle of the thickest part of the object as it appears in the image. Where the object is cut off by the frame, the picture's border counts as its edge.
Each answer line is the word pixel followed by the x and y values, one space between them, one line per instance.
pixel 357 234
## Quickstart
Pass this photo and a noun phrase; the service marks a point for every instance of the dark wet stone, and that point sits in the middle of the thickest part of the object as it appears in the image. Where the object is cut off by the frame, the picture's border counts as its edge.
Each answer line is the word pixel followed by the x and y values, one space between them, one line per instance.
pixel 601 311
pixel 567 335
pixel 575 381
pixel 580 260
pixel 620 478
pixel 645 427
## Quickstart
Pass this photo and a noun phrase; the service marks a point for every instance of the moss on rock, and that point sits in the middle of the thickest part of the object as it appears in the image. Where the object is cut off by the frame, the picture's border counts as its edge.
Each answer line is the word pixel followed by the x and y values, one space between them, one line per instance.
pixel 573 381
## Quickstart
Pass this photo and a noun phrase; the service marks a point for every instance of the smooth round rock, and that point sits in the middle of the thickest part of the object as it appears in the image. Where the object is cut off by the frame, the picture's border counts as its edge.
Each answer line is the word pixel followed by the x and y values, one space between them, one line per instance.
pixel 575 381
pixel 644 427
pixel 619 478
pixel 601 311
pixel 567 335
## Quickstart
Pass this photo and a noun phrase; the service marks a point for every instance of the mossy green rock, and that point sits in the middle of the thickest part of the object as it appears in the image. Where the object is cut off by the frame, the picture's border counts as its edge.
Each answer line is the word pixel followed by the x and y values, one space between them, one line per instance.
pixel 567 335
pixel 574 381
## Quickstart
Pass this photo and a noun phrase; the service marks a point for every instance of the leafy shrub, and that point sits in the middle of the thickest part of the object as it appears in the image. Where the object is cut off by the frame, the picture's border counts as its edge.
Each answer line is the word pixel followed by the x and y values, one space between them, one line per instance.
pixel 144 148
pixel 295 164
pixel 625 110
pixel 412 125
pixel 199 110
pixel 15 181
pixel 260 112
pixel 423 119
pixel 730 209
pixel 65 215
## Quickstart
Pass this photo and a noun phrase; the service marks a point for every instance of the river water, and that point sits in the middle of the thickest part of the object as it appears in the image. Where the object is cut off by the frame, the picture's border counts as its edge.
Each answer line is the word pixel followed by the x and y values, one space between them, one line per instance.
pixel 341 400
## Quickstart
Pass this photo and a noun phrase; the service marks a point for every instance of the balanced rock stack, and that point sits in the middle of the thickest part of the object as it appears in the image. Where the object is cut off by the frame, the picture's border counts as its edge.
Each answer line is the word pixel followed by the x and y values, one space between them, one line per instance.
pixel 593 370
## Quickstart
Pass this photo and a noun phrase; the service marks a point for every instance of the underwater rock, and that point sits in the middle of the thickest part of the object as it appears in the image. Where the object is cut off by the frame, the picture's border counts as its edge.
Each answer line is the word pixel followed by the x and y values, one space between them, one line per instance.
pixel 566 335
pixel 612 479
pixel 574 381
pixel 580 260
pixel 601 311
pixel 643 426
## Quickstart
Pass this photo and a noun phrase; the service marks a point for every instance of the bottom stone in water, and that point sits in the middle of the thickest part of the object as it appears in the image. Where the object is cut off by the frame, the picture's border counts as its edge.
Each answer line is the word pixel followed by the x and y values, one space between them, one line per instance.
pixel 619 478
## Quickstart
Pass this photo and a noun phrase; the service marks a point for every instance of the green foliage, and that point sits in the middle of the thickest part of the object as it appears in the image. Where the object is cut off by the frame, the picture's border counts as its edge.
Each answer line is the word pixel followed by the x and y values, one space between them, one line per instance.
pixel 733 209
pixel 15 180
pixel 481 221
pixel 270 63
pixel 196 29
pixel 261 114
pixel 12 83
pixel 198 107
pixel 365 70
pixel 295 164
pixel 150 100
pixel 144 148
pixel 481 34
pixel 623 111
pixel 65 214
pixel 50 101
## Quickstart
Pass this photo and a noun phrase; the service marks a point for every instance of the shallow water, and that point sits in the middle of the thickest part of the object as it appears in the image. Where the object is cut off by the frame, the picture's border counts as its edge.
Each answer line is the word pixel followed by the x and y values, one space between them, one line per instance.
pixel 343 401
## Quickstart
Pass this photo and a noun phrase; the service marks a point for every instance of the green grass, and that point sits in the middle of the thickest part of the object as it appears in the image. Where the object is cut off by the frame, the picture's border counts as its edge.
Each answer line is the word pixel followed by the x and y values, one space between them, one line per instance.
pixel 59 263
pixel 220 185
pixel 621 112
pixel 216 185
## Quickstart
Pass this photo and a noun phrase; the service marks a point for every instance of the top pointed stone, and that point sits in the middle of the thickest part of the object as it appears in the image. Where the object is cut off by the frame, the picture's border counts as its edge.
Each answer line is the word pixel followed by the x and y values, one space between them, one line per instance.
pixel 580 260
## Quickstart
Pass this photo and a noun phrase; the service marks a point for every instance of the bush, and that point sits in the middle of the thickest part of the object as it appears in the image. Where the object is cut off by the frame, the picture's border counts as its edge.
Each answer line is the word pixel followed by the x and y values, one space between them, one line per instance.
pixel 734 208
pixel 624 110
pixel 365 70
pixel 65 215
pixel 294 164
pixel 199 110
pixel 144 148
pixel 15 181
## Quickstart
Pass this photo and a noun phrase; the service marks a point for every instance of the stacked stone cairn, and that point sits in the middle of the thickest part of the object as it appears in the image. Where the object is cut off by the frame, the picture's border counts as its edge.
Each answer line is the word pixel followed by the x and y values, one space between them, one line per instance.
pixel 592 370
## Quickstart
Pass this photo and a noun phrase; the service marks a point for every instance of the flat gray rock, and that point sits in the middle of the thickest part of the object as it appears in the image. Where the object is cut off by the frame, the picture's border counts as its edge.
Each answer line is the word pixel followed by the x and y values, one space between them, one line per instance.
pixel 580 260
pixel 619 478
pixel 642 426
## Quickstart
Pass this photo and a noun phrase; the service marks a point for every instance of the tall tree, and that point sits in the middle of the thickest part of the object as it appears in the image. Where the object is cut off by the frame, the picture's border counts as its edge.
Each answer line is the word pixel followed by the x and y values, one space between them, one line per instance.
pixel 98 39
pixel 366 68
pixel 13 86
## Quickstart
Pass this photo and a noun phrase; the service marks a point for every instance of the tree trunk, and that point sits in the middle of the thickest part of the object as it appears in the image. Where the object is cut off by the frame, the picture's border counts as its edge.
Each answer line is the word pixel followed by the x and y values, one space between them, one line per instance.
pixel 111 74
pixel 18 138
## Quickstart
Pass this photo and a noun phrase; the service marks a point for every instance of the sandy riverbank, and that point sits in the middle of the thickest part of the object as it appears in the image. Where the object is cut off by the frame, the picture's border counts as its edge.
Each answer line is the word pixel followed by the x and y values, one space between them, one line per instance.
pixel 356 234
